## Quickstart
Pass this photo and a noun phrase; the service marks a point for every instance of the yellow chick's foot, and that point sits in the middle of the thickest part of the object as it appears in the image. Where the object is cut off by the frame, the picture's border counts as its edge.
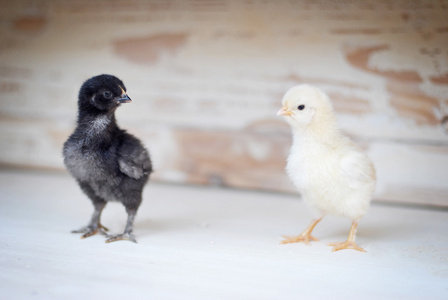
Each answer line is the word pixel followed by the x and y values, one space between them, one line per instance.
pixel 350 242
pixel 346 245
pixel 303 238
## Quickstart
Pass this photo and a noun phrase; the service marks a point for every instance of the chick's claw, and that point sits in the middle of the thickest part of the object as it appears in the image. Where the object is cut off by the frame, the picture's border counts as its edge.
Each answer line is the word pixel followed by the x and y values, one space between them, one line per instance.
pixel 346 245
pixel 121 237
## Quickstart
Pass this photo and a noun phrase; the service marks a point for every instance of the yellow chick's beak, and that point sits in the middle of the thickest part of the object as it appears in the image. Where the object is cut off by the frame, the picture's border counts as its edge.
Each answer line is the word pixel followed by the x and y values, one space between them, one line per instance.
pixel 284 111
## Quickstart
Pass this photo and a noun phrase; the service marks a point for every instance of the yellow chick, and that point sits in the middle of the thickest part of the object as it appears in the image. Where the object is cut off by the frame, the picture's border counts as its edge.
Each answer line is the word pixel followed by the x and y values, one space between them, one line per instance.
pixel 331 172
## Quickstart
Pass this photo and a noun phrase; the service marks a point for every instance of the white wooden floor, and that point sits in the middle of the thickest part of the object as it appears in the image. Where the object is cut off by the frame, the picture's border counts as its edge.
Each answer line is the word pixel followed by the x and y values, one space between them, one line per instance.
pixel 209 243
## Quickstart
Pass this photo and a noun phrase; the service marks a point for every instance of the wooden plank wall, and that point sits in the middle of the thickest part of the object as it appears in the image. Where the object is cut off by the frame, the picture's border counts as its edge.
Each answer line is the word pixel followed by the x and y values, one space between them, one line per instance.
pixel 207 77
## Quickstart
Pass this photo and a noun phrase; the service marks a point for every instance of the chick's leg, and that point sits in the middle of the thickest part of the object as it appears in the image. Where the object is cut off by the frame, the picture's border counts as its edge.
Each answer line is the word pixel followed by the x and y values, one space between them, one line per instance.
pixel 305 236
pixel 350 242
pixel 127 234
pixel 94 226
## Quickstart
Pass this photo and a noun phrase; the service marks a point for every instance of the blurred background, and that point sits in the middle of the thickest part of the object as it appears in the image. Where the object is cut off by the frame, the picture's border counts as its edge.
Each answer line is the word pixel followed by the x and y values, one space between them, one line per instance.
pixel 207 77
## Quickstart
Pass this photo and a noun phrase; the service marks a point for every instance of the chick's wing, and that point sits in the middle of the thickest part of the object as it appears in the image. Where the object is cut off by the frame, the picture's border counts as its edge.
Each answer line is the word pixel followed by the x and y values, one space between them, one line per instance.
pixel 356 169
pixel 133 158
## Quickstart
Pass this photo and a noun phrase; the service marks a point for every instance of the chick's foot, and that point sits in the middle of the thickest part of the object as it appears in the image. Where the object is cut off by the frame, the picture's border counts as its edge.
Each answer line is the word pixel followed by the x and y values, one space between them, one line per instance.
pixel 346 245
pixel 121 237
pixel 350 242
pixel 91 230
pixel 303 238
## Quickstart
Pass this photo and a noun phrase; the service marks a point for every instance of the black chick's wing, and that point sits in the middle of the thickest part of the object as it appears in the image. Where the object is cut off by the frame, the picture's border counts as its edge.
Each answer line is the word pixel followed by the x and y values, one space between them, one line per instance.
pixel 133 159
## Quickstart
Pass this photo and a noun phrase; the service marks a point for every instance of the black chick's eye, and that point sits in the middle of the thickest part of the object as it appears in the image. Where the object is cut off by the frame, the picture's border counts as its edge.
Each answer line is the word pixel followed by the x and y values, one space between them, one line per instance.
pixel 301 107
pixel 107 95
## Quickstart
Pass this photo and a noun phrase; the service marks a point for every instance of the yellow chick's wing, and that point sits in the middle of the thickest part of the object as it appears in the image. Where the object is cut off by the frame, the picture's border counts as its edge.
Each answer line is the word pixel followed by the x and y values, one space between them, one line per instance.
pixel 357 169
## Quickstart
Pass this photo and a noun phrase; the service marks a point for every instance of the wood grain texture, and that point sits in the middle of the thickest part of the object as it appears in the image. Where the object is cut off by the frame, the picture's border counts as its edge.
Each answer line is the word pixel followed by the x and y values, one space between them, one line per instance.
pixel 149 49
pixel 207 77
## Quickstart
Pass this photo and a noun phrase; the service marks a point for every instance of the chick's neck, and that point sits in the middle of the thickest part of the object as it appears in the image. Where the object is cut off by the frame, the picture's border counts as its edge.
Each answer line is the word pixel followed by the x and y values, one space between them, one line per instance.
pixel 88 116
pixel 97 127
pixel 323 132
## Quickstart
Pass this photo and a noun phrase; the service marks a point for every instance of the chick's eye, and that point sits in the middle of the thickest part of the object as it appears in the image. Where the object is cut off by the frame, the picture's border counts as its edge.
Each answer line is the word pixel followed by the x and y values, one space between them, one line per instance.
pixel 107 94
pixel 301 107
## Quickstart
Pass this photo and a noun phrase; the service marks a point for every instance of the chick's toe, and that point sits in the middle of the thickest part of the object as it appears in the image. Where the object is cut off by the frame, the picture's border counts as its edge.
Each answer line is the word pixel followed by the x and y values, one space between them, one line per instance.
pixel 91 230
pixel 302 238
pixel 121 237
pixel 346 245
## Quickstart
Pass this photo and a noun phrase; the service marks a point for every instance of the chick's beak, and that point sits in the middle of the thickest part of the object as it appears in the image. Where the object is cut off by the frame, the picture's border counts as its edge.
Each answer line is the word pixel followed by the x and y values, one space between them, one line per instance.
pixel 284 111
pixel 124 98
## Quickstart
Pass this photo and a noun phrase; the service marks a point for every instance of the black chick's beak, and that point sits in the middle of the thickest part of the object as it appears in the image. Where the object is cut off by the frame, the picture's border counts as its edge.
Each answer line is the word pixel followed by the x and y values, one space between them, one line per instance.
pixel 124 98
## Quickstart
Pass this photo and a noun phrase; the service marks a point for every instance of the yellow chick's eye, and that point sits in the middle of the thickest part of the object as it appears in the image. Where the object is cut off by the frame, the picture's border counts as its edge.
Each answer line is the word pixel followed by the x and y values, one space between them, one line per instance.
pixel 301 107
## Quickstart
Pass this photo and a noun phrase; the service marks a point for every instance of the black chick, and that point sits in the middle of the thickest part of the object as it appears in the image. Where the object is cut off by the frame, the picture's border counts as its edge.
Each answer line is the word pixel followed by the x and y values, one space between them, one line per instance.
pixel 108 163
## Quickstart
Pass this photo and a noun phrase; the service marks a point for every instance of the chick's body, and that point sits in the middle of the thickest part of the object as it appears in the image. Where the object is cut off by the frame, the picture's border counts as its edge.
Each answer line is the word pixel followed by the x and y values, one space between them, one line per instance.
pixel 317 170
pixel 108 163
pixel 333 175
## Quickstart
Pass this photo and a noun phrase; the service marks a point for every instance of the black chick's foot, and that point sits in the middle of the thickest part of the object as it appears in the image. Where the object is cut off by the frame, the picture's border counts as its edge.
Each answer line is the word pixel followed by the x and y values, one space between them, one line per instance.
pixel 121 237
pixel 91 230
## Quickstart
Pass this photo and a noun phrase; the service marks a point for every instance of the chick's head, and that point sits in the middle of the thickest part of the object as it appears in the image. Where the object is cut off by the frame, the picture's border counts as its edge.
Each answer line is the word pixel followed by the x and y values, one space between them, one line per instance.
pixel 305 105
pixel 103 92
